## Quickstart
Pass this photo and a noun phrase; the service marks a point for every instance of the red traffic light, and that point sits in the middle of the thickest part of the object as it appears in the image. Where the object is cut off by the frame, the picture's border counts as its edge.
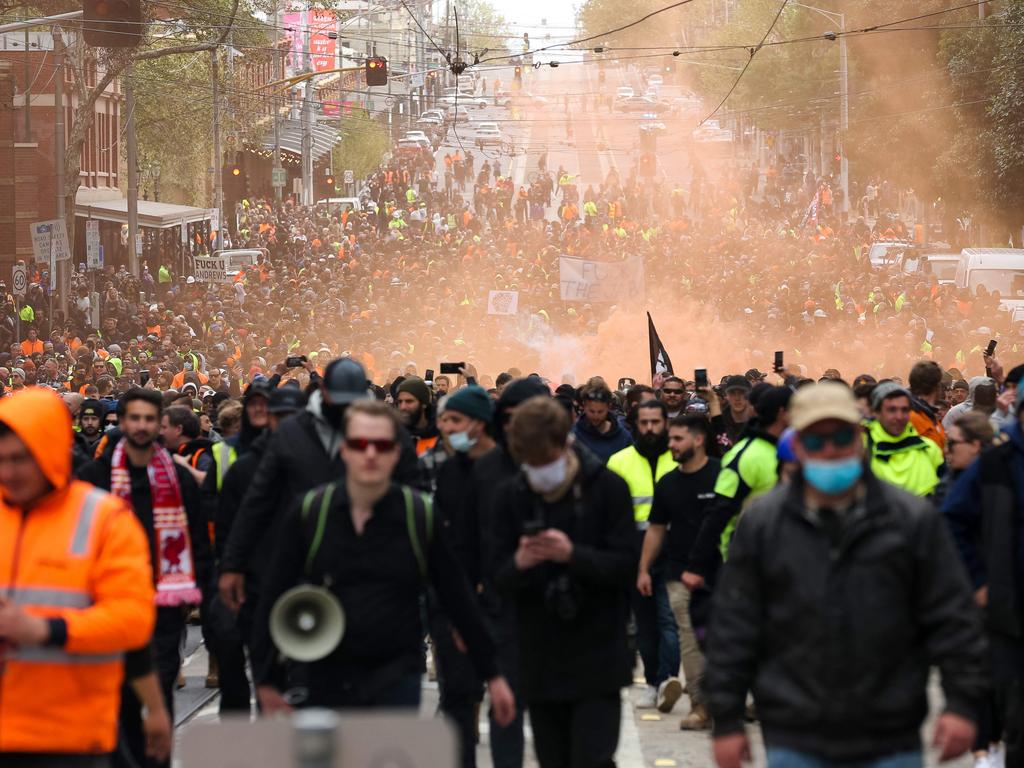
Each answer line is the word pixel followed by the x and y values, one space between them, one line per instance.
pixel 236 171
pixel 376 70
pixel 330 181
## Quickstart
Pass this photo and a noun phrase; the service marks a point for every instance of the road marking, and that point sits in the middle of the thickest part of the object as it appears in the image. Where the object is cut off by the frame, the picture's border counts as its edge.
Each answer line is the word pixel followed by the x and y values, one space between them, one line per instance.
pixel 629 754
pixel 665 761
pixel 653 718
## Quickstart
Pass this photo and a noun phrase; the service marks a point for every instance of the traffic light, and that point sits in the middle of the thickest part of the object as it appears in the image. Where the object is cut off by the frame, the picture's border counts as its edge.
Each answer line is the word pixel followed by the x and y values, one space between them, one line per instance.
pixel 376 70
pixel 647 164
pixel 326 186
pixel 519 72
pixel 112 23
pixel 235 180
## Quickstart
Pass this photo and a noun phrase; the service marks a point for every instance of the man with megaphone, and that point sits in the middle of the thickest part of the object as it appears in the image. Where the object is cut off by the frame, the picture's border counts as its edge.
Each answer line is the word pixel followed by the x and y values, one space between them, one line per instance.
pixel 373 546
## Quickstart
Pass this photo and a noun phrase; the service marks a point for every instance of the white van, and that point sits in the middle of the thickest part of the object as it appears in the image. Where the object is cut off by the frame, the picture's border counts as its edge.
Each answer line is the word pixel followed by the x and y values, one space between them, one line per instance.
pixel 998 269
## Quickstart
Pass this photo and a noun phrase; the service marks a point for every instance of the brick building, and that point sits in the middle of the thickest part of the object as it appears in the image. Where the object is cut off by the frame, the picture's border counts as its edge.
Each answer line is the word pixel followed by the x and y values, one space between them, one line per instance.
pixel 27 170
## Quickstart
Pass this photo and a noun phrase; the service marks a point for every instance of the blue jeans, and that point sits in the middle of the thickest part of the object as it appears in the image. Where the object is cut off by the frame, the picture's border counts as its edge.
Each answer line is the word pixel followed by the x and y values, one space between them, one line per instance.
pixel 657 636
pixel 780 757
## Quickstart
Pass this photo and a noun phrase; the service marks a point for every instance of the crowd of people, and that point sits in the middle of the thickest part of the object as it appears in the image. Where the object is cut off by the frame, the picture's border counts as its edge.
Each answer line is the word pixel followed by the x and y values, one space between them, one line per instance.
pixel 211 446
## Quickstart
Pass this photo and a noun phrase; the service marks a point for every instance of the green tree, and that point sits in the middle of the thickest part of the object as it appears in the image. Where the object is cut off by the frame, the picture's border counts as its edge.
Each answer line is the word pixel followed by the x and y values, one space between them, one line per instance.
pixel 983 167
pixel 362 147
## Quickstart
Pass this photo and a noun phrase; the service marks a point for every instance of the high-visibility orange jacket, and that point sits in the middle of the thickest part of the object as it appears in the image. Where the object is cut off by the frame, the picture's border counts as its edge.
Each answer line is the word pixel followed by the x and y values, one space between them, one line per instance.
pixel 79 556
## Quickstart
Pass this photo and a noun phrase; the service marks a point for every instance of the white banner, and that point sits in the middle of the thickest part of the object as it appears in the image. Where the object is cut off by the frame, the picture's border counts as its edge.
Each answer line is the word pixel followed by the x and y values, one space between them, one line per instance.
pixel 502 302
pixel 583 280
pixel 212 269
pixel 50 240
pixel 92 244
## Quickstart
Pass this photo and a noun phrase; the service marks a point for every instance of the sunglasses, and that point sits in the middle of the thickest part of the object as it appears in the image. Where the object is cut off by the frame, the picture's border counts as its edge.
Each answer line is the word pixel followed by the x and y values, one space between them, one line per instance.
pixel 841 438
pixel 361 444
pixel 672 391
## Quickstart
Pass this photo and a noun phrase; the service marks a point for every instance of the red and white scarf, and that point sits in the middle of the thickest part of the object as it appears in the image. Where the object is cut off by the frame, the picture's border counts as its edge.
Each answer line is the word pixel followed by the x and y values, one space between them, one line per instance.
pixel 176 580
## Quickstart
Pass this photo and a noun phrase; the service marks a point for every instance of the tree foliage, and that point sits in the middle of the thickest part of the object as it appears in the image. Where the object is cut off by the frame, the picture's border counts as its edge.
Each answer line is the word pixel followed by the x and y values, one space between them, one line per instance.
pixel 984 165
pixel 364 142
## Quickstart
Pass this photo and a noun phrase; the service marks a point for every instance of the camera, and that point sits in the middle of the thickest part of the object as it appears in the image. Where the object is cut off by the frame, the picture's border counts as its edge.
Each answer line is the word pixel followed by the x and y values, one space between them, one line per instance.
pixel 560 598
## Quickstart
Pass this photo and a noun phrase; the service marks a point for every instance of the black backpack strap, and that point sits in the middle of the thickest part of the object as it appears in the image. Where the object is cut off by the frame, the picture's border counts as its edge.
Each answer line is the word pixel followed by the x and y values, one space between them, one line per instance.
pixel 326 495
pixel 419 521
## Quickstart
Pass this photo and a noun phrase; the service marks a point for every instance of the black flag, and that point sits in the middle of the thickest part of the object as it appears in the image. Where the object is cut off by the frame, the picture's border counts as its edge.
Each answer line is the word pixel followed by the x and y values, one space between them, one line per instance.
pixel 660 362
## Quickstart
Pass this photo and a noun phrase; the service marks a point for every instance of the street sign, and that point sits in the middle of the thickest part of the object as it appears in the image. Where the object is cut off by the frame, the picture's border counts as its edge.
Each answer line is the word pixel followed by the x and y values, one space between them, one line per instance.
pixel 92 244
pixel 138 244
pixel 50 241
pixel 389 101
pixel 349 177
pixel 279 177
pixel 20 279
pixel 214 219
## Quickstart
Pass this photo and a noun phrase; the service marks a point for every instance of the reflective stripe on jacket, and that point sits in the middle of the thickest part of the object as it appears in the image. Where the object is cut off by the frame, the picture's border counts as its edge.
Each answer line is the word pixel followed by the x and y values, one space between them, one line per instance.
pixel 225 455
pixel 78 554
pixel 82 556
pixel 635 469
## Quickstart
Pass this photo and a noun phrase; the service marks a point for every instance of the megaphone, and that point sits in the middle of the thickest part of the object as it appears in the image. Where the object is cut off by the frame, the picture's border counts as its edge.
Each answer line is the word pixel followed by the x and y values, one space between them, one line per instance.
pixel 307 623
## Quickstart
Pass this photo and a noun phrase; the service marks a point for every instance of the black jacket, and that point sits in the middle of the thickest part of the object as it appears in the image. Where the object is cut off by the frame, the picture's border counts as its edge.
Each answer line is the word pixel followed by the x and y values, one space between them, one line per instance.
pixel 97 472
pixel 985 511
pixel 836 642
pixel 453 501
pixel 490 473
pixel 294 462
pixel 376 577
pixel 565 656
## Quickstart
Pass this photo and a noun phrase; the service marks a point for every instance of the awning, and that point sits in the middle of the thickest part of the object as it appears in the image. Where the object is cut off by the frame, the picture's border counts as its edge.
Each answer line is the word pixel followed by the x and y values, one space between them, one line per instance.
pixel 151 214
pixel 324 139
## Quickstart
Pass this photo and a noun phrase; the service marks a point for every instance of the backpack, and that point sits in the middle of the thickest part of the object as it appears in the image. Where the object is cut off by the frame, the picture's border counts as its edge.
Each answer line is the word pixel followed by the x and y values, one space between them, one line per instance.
pixel 419 522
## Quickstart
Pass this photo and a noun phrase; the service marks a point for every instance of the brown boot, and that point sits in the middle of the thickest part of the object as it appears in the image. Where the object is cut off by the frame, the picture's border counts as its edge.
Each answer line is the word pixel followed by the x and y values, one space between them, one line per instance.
pixel 213 674
pixel 697 720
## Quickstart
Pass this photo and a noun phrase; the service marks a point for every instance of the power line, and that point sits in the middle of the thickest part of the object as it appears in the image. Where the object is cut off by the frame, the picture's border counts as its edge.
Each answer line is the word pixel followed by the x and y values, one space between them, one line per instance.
pixel 753 52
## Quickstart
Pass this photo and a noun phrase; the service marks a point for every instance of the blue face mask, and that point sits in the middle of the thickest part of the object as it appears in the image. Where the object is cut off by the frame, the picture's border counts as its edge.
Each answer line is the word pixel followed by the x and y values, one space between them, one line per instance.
pixel 461 442
pixel 833 477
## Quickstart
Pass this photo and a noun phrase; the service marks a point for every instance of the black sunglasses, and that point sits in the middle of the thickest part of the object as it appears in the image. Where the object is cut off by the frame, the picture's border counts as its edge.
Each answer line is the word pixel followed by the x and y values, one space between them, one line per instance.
pixel 841 438
pixel 672 391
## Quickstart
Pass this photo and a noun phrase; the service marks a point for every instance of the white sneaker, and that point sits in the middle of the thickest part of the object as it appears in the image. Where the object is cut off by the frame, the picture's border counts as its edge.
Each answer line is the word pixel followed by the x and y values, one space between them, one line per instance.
pixel 648 698
pixel 996 757
pixel 668 694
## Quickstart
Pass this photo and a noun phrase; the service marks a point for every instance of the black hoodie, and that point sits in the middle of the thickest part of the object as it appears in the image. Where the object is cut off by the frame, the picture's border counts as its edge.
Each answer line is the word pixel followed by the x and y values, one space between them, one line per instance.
pixel 582 653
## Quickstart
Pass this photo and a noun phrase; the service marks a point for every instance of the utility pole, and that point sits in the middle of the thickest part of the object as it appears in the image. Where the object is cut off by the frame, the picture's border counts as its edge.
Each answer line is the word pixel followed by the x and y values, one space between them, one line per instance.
pixel 278 74
pixel 218 159
pixel 58 273
pixel 133 176
pixel 307 120
pixel 844 115
pixel 28 98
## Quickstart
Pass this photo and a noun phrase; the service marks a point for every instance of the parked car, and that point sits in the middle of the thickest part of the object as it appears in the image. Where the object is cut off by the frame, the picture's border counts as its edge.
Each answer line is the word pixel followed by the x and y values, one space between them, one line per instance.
pixel 487 137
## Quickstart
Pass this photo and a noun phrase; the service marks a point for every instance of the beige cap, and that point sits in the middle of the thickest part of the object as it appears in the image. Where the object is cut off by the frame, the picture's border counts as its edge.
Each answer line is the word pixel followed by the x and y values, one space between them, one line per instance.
pixel 818 402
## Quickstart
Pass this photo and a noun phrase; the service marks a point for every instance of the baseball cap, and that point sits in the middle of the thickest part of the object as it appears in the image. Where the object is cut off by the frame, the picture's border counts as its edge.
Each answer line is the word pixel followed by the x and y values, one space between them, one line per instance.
pixel 818 402
pixel 753 373
pixel 286 400
pixel 733 383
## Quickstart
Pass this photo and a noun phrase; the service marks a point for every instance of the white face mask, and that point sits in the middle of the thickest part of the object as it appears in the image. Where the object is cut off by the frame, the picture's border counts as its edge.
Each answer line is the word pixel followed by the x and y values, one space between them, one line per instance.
pixel 461 442
pixel 546 478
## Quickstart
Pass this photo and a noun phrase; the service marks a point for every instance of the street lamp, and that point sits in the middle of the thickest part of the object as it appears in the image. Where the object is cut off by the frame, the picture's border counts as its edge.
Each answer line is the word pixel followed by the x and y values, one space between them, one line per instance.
pixel 839 19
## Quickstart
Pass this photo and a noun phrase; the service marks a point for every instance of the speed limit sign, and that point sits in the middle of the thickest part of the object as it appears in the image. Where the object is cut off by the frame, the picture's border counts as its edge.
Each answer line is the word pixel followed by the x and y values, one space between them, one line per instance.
pixel 20 279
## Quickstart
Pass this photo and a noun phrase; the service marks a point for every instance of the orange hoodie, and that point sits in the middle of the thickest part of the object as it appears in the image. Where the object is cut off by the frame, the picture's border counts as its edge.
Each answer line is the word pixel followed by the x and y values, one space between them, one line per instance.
pixel 80 555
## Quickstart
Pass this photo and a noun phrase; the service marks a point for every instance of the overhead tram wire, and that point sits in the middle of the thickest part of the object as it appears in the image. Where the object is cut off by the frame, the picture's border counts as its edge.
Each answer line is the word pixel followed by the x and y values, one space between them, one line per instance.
pixel 753 52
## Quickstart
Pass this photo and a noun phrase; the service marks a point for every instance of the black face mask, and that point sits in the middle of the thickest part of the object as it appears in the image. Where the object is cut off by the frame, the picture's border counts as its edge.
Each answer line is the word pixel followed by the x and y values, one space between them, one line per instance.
pixel 333 414
pixel 652 444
